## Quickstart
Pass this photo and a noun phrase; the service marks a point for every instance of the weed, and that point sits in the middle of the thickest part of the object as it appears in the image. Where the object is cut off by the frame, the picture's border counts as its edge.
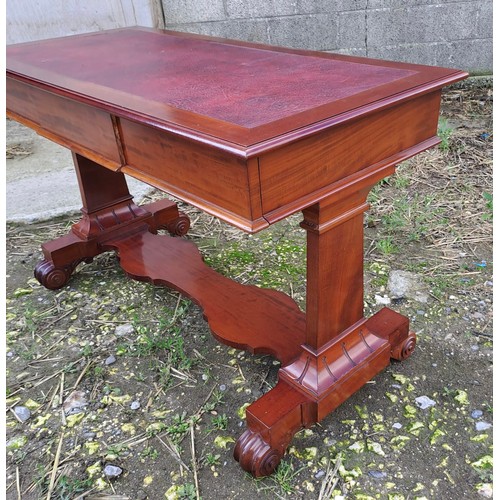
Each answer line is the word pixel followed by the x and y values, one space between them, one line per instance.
pixel 489 206
pixel 28 353
pixel 19 455
pixel 86 351
pixel 220 422
pixel 447 392
pixel 278 258
pixel 165 375
pixel 441 283
pixel 216 399
pixel 68 487
pixel 116 449
pixel 374 194
pixel 284 475
pixel 98 372
pixel 151 342
pixel 179 426
pixel 379 281
pixel 155 429
pixel 211 460
pixel 149 452
pixel 70 368
pixel 115 391
pixel 386 245
pixel 397 217
pixel 444 132
pixel 187 491
pixel 401 179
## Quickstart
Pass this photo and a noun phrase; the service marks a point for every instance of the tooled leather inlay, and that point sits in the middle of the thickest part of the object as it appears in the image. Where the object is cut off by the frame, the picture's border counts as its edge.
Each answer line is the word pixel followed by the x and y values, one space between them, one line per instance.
pixel 241 85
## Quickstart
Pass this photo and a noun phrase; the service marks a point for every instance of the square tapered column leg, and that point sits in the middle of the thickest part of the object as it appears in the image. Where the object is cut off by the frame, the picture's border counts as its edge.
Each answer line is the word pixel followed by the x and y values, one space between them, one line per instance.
pixel 343 350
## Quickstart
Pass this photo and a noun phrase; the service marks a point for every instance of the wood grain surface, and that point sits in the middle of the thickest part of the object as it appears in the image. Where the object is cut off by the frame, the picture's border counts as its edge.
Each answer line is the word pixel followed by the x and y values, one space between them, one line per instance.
pixel 236 92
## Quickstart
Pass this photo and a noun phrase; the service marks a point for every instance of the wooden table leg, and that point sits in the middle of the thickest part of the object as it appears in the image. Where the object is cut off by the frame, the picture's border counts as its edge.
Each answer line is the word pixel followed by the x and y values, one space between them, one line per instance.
pixel 326 356
pixel 343 350
pixel 108 210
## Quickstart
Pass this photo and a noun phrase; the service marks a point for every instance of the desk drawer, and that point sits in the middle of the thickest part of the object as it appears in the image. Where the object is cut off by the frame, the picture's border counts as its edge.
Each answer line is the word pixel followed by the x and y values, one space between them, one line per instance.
pixel 83 129
pixel 221 184
pixel 301 169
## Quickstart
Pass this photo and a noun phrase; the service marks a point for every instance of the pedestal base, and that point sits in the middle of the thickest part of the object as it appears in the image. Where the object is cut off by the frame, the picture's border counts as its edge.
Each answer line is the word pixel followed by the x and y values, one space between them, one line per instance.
pixel 316 383
pixel 312 382
pixel 89 236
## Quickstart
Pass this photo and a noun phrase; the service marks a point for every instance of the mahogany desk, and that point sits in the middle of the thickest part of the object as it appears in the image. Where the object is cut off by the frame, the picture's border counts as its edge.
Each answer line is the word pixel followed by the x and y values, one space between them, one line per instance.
pixel 251 134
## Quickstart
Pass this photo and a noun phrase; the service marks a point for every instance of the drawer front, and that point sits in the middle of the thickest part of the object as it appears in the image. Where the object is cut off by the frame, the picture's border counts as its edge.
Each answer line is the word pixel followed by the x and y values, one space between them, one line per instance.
pixel 84 129
pixel 303 168
pixel 214 181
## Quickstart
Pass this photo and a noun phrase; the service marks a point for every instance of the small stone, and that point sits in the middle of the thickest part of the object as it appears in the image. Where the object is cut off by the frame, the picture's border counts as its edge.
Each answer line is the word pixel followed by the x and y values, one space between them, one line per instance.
pixel 222 387
pixel 482 426
pixel 141 495
pixel 22 413
pixel 89 435
pixel 420 312
pixel 16 442
pixel 424 402
pixel 379 300
pixel 112 471
pixel 110 360
pixel 485 490
pixel 74 403
pixel 478 315
pixel 481 303
pixel 408 285
pixel 474 348
pixel 321 473
pixel 476 413
pixel 377 474
pixel 135 405
pixel 122 330
pixel 397 425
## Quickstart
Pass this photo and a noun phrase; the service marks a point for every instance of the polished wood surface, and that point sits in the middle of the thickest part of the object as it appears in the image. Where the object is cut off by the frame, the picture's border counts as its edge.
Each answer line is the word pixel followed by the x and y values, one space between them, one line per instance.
pixel 251 134
pixel 217 90
pixel 182 92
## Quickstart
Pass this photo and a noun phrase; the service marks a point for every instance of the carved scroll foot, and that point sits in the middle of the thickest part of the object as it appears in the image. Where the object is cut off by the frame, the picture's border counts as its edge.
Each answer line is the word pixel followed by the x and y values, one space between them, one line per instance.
pixel 405 348
pixel 272 422
pixel 89 237
pixel 179 226
pixel 165 215
pixel 255 455
pixel 53 277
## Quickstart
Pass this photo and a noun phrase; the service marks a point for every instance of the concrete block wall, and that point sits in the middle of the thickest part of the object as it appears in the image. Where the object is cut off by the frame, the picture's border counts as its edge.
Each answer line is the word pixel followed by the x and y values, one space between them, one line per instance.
pixel 30 20
pixel 453 33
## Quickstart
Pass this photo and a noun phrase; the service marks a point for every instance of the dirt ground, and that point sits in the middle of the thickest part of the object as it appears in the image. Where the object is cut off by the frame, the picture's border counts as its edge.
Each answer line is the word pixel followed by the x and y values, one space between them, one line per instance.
pixel 117 390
